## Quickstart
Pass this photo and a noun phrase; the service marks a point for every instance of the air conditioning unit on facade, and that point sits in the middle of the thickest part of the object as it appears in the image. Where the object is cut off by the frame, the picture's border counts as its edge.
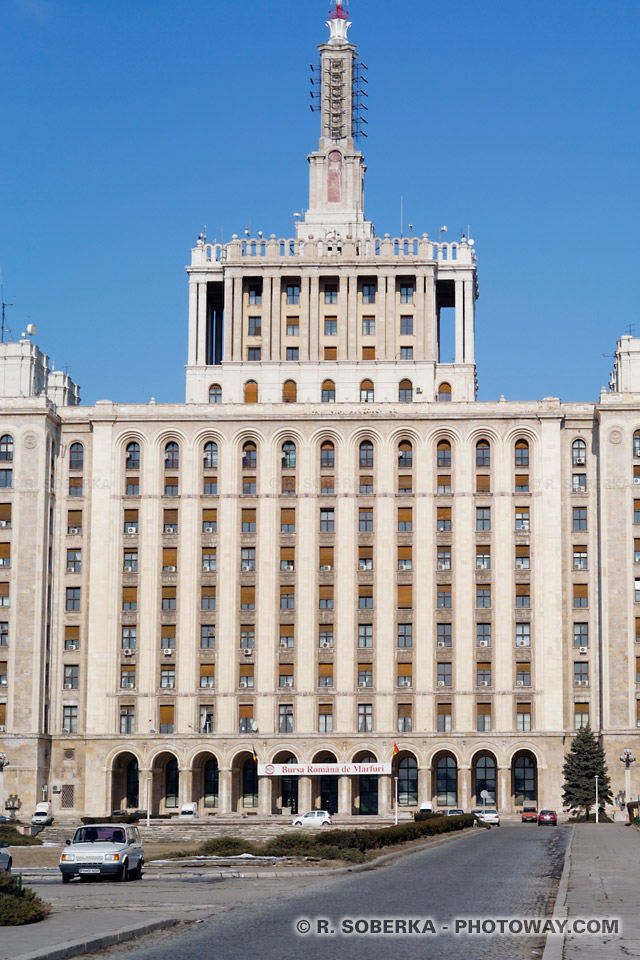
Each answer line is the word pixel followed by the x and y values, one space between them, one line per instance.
pixel 3 523
pixel 286 681
pixel 442 565
pixel 326 568
pixel 208 530
pixel 71 570
pixel 580 461
pixel 68 686
pixel 441 643
pixel 521 643
pixel 132 530
pixel 170 569
pixel 582 683
pixel 129 684
pixel 326 645
pixel 483 643
pixel 441 683
pixel 167 651
pixel 246 568
pixel 127 653
pixel 483 683
pixel 2 728
pixel 636 479
pixel 584 649
pixel 519 683
pixel 242 682
pixel 247 652
pixel 128 569
pixel 74 530
pixel 283 644
pixel 363 683
pixel 289 568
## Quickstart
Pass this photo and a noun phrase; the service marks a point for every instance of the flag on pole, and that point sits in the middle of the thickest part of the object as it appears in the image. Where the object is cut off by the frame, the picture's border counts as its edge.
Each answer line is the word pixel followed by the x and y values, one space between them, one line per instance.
pixel 395 750
pixel 255 755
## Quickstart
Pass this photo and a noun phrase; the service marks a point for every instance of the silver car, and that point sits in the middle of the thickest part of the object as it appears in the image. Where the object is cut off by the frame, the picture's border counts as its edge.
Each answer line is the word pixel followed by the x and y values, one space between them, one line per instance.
pixel 5 858
pixel 103 849
pixel 314 818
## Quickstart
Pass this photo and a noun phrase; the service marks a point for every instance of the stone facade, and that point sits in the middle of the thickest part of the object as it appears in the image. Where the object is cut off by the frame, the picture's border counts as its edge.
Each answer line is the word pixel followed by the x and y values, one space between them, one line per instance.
pixel 330 551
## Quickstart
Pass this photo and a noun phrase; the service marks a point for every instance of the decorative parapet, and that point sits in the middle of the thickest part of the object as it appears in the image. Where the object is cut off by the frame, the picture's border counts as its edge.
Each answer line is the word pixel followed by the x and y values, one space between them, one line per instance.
pixel 410 250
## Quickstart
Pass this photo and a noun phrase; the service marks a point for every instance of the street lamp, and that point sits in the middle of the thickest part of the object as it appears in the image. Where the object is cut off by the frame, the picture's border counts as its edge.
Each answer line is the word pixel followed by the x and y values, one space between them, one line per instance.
pixel 627 758
pixel 396 785
pixel 597 816
pixel 4 762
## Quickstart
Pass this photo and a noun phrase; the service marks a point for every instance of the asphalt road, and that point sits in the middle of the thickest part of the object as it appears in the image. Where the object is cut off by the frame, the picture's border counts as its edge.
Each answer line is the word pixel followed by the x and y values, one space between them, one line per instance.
pixel 502 873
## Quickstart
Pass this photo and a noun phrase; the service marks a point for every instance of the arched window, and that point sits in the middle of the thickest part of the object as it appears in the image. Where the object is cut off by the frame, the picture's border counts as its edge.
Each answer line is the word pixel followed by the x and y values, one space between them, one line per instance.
pixel 485 777
pixel 524 778
pixel 366 453
pixel 6 447
pixel 447 782
pixel 366 391
pixel 522 453
pixel 289 391
pixel 210 455
pixel 133 789
pixel 251 392
pixel 133 456
pixel 171 783
pixel 76 456
pixel 405 392
pixel 215 393
pixel 483 454
pixel 288 455
pixel 636 444
pixel 408 782
pixel 405 455
pixel 249 456
pixel 444 393
pixel 444 453
pixel 327 454
pixel 171 456
pixel 579 453
pixel 211 781
pixel 250 783
pixel 328 391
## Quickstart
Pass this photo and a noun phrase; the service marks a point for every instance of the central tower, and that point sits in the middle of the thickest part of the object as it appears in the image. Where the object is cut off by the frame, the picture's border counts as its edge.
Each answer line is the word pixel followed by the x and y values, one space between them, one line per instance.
pixel 336 168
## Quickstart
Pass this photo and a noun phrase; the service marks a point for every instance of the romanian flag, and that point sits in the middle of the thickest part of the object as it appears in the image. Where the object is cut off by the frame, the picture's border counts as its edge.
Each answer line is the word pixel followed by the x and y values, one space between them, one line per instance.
pixel 255 755
pixel 395 750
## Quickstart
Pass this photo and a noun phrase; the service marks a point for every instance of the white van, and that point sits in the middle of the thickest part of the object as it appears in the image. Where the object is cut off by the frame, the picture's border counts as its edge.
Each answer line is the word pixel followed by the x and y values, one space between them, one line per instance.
pixel 426 806
pixel 189 811
pixel 43 815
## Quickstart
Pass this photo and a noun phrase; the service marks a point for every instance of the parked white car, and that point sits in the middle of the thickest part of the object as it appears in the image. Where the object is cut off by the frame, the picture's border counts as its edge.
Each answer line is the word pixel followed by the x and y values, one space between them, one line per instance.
pixel 5 858
pixel 314 818
pixel 490 816
pixel 103 849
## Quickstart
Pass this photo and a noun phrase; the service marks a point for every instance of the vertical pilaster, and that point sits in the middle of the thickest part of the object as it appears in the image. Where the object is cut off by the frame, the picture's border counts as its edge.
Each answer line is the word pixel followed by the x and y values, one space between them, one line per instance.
pixel 276 317
pixel 193 322
pixel 430 340
pixel 228 318
pixel 304 317
pixel 390 324
pixel 266 317
pixel 237 318
pixel 352 318
pixel 224 786
pixel 343 319
pixel 314 320
pixel 202 323
pixel 469 322
pixel 459 356
pixel 420 317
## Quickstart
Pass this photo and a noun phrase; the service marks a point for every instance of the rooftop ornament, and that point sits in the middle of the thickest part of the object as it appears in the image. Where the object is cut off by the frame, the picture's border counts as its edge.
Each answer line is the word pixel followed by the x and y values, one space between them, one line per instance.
pixel 338 23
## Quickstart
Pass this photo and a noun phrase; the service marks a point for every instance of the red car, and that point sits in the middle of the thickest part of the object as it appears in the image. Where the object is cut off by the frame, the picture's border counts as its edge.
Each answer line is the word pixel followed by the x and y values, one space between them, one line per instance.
pixel 529 813
pixel 547 816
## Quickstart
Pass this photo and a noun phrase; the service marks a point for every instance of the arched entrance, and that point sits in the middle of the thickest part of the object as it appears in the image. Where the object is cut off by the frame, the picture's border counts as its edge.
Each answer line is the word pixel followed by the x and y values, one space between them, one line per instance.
pixel 125 783
pixel 484 778
pixel 284 795
pixel 165 786
pixel 407 773
pixel 244 783
pixel 325 788
pixel 206 781
pixel 366 801
pixel 445 776
pixel 524 778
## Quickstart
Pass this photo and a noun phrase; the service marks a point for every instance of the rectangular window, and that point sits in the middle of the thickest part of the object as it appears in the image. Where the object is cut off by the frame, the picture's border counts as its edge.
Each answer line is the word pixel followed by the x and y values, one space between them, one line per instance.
pixel 483 483
pixel 248 559
pixel 523 634
pixel 292 353
pixel 327 486
pixel 483 717
pixel 405 724
pixel 368 292
pixel 581 672
pixel 170 521
pixel 287 559
pixel 444 674
pixel 483 558
pixel 368 326
pixel 325 636
pixel 245 675
pixel 444 718
pixel 325 598
pixel 168 676
pixel 249 486
pixel 127 719
pixel 71 636
pixel 365 558
pixel 522 519
pixel 523 675
pixel 208 560
pixel 287 637
pixel 405 558
pixel 580 595
pixel 444 634
pixel 366 520
pixel 406 293
pixel 286 717
pixel 581 634
pixel 483 518
pixel 523 717
pixel 330 326
pixel 74 558
pixel 579 484
pixel 580 558
pixel 72 602
pixel 6 478
pixel 405 596
pixel 247 637
pixel 523 595
pixel 444 597
pixel 331 293
pixel 327 523
pixel 293 293
pixel 206 718
pixel 255 326
pixel 208 598
pixel 325 718
pixel 247 598
pixel 166 718
pixel 293 328
pixel 171 487
pixel 245 717
pixel 444 483
pixel 130 522
pixel 365 634
pixel 405 519
pixel 70 719
pixel 406 353
pixel 405 675
pixel 249 520
pixel 253 354
pixel 483 596
pixel 75 486
pixel 169 598
pixel 444 519
pixel 580 519
pixel 255 296
pixel 523 559
pixel 329 394
pixel 127 677
pixel 129 638
pixel 325 674
pixel 483 634
pixel 581 715
pixel 287 598
pixel 207 675
pixel 365 598
pixel 325 559
pixel 168 636
pixel 71 674
pixel 405 634
pixel 287 520
pixel 522 483
pixel 368 353
pixel 483 674
pixel 406 326
pixel 365 718
pixel 365 675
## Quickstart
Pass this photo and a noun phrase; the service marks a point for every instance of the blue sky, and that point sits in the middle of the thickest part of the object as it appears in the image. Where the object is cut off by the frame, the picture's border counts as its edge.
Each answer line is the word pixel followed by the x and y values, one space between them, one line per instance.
pixel 126 125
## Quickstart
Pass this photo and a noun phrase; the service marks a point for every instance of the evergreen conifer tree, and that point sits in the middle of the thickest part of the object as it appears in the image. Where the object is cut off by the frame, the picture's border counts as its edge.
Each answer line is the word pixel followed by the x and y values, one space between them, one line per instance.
pixel 584 762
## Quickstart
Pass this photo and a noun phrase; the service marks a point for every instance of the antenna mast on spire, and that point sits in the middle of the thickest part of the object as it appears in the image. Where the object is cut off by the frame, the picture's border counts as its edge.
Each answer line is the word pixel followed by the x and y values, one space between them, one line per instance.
pixel 4 306
pixel 339 13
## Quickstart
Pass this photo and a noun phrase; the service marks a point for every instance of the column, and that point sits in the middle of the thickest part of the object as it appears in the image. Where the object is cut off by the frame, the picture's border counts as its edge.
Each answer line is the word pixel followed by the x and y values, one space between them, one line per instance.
pixel 305 800
pixel 424 789
pixel 276 321
pixel 266 318
pixel 185 788
pixel 202 323
pixel 459 357
pixel 352 318
pixel 228 318
pixel 469 322
pixel 431 350
pixel 145 788
pixel 314 319
pixel 420 317
pixel 224 787
pixel 381 314
pixel 464 785
pixel 343 319
pixel 503 800
pixel 344 796
pixel 386 795
pixel 265 786
pixel 390 346
pixel 237 318
pixel 193 322
pixel 304 319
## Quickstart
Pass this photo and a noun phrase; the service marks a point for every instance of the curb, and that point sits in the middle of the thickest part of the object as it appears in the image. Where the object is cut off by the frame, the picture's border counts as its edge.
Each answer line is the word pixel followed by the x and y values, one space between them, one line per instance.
pixel 554 945
pixel 72 948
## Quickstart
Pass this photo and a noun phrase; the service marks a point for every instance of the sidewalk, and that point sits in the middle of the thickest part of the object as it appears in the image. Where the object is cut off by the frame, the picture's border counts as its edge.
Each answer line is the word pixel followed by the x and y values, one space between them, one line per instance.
pixel 601 880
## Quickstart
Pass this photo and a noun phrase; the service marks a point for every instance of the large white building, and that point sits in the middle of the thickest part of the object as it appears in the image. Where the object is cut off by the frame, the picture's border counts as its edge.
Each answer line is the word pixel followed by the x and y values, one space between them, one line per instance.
pixel 330 552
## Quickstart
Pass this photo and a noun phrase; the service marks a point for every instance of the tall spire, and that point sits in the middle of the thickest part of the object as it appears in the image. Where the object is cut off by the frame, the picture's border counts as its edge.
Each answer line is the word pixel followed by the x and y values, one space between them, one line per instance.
pixel 336 169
